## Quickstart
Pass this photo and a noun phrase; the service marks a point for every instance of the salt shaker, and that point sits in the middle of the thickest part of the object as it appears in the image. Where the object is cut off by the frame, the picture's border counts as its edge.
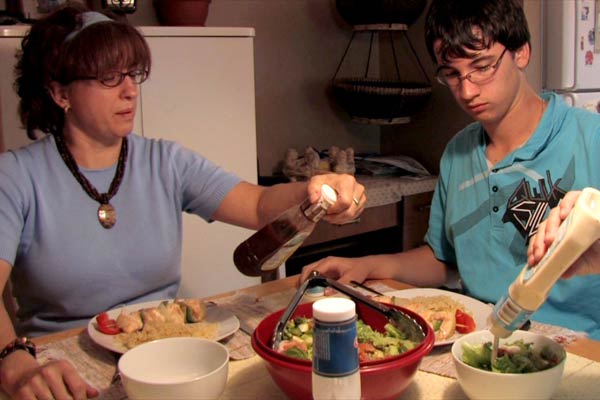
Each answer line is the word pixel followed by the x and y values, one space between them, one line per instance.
pixel 335 368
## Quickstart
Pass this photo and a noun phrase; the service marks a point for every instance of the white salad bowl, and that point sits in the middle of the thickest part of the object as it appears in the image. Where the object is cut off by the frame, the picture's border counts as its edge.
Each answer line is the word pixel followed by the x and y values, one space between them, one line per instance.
pixel 480 384
pixel 175 368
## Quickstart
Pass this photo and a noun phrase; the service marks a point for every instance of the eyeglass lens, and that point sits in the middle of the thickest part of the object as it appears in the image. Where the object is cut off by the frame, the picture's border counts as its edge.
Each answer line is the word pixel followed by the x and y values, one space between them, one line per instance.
pixel 114 78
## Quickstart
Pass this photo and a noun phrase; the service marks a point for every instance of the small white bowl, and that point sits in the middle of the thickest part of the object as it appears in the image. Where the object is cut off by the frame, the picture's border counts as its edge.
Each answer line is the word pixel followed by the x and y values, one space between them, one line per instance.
pixel 480 384
pixel 175 368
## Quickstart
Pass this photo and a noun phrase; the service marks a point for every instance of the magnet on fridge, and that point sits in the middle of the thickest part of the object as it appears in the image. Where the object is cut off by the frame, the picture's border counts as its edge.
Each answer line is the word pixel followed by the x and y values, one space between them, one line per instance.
pixel 589 58
pixel 585 12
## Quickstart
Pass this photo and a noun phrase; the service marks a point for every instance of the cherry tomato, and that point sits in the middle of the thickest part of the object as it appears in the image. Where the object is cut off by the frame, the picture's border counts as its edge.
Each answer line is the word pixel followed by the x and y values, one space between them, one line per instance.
pixel 107 325
pixel 102 317
pixel 464 322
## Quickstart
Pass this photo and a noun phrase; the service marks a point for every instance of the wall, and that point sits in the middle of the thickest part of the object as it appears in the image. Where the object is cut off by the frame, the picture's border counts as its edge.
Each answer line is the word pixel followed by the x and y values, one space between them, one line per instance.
pixel 298 46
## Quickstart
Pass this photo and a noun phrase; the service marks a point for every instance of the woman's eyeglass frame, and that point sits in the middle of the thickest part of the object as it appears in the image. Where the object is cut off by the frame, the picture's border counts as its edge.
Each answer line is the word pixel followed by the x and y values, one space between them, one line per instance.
pixel 477 76
pixel 115 78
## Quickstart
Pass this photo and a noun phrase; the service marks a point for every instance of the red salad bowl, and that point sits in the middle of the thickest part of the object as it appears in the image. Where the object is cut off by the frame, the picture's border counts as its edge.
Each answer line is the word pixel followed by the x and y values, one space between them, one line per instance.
pixel 380 379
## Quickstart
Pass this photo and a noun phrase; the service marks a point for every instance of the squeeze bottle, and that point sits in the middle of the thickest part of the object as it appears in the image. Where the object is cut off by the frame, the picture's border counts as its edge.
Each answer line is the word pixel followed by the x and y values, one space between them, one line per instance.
pixel 528 292
pixel 270 246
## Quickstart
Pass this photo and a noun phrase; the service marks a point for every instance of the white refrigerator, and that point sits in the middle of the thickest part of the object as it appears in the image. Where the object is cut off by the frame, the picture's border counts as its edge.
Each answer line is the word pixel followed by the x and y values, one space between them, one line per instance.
pixel 571 51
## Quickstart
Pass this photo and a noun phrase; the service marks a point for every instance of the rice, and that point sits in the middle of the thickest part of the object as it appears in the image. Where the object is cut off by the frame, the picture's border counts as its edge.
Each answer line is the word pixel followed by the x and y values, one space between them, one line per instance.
pixel 166 330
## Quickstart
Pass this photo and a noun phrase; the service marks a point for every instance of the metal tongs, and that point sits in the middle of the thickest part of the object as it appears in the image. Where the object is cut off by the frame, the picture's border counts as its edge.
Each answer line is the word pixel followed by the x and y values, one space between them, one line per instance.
pixel 404 322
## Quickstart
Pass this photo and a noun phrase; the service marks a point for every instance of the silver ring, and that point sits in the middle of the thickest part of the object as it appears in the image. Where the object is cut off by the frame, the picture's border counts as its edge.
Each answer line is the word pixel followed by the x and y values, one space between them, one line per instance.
pixel 356 201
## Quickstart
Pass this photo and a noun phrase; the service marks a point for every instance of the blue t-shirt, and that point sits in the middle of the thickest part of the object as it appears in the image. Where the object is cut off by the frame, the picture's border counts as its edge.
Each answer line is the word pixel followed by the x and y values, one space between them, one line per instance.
pixel 482 217
pixel 66 266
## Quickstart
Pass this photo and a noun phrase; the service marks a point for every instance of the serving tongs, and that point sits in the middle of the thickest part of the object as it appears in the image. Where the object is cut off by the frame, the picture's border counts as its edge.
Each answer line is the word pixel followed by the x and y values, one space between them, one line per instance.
pixel 404 322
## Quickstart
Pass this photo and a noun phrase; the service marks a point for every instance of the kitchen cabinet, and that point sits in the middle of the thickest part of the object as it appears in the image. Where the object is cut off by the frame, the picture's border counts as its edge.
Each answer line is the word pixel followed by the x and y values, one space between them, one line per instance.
pixel 201 94
pixel 410 215
pixel 415 219
pixel 383 228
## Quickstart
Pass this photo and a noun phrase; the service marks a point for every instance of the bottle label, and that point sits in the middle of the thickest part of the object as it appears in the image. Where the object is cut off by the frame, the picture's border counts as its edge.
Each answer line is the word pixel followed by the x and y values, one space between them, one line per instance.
pixel 335 348
pixel 284 252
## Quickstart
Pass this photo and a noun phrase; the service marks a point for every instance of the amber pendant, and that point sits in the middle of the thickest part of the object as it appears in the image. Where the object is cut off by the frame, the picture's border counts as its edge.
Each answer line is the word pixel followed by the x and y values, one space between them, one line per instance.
pixel 107 215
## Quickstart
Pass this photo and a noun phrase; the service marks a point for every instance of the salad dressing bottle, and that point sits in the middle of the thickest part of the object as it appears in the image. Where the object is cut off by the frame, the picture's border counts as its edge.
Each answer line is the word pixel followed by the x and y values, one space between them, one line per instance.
pixel 529 291
pixel 271 246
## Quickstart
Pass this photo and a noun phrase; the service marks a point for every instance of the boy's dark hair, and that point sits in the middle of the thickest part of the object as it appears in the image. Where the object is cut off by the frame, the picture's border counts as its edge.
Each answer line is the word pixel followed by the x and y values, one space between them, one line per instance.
pixel 472 25
pixel 46 56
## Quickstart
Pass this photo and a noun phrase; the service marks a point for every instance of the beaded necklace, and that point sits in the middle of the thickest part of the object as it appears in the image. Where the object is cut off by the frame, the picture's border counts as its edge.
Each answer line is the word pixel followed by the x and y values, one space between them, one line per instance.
pixel 107 215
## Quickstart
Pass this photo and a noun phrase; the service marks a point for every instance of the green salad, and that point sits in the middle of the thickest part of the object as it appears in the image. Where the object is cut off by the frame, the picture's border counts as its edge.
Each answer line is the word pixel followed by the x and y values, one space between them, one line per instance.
pixel 517 357
pixel 372 345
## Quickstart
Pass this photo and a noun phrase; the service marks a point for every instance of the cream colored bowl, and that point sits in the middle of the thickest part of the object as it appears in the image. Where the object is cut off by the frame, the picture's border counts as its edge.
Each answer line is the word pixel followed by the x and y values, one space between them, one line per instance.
pixel 479 384
pixel 175 368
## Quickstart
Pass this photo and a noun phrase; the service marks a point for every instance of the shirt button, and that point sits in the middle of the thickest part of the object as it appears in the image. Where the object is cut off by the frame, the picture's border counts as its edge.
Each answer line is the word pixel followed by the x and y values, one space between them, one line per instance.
pixel 495 209
pixel 494 189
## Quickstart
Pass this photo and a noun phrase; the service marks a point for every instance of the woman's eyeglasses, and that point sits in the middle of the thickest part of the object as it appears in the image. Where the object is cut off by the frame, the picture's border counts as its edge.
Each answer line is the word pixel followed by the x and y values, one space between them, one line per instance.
pixel 478 76
pixel 115 78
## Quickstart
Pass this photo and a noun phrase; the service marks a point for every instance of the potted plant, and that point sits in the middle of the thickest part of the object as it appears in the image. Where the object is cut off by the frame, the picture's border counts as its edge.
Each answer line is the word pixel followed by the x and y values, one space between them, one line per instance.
pixel 181 12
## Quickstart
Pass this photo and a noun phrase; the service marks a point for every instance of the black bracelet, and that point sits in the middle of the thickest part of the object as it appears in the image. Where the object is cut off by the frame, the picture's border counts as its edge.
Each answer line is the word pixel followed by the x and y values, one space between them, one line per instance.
pixel 21 343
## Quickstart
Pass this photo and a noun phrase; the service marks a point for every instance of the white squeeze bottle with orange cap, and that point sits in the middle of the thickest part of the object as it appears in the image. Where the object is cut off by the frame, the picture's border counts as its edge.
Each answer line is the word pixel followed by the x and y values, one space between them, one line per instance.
pixel 529 291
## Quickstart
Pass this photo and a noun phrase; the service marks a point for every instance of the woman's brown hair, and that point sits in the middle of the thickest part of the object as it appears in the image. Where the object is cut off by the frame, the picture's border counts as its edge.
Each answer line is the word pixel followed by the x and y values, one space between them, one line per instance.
pixel 47 56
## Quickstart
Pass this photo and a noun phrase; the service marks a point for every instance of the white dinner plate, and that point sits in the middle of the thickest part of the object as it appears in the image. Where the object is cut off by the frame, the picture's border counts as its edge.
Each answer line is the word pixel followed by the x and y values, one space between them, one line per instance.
pixel 480 311
pixel 227 322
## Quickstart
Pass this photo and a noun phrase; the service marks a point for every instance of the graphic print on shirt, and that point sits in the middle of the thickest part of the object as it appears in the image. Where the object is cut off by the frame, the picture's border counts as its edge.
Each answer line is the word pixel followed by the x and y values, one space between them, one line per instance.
pixel 526 209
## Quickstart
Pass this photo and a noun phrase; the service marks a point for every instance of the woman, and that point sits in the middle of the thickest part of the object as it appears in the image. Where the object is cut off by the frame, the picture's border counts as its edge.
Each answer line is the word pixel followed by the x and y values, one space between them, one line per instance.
pixel 91 214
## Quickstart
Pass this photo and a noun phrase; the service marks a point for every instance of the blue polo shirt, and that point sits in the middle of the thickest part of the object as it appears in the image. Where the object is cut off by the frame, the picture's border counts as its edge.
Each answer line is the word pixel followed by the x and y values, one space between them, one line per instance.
pixel 482 216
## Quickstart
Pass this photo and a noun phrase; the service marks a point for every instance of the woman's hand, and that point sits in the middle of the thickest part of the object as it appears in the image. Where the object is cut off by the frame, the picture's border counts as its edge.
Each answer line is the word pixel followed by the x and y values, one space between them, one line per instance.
pixel 588 263
pixel 351 197
pixel 22 377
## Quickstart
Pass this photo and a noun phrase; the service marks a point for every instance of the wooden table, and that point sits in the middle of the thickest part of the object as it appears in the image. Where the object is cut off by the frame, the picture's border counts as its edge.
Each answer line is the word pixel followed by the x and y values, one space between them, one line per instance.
pixel 249 379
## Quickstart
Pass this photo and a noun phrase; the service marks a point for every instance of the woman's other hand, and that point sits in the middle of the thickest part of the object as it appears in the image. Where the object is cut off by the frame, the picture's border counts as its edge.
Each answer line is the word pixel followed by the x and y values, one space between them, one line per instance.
pixel 22 377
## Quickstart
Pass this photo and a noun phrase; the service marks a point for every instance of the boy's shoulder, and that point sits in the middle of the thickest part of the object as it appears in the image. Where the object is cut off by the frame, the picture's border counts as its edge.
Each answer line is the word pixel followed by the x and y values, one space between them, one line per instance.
pixel 470 135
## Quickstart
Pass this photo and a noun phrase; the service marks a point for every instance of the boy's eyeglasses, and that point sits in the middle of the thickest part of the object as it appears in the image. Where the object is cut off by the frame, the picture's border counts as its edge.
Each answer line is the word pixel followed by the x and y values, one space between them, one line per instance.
pixel 478 76
pixel 115 78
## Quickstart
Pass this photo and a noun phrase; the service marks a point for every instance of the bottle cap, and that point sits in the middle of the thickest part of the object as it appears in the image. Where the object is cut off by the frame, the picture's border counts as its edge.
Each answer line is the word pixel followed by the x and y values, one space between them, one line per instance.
pixel 334 309
pixel 315 291
pixel 328 195
pixel 316 211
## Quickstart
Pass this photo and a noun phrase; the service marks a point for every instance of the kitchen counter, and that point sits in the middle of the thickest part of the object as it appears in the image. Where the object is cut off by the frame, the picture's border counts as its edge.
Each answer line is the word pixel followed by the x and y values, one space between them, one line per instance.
pixel 384 190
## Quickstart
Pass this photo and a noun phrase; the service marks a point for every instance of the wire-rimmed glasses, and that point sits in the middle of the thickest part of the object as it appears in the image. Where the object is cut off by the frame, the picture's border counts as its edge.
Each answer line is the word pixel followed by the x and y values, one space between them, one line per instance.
pixel 478 76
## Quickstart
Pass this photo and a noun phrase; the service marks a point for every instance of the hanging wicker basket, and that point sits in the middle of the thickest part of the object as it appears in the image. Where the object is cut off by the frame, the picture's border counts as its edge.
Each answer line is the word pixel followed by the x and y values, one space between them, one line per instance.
pixel 368 12
pixel 378 101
